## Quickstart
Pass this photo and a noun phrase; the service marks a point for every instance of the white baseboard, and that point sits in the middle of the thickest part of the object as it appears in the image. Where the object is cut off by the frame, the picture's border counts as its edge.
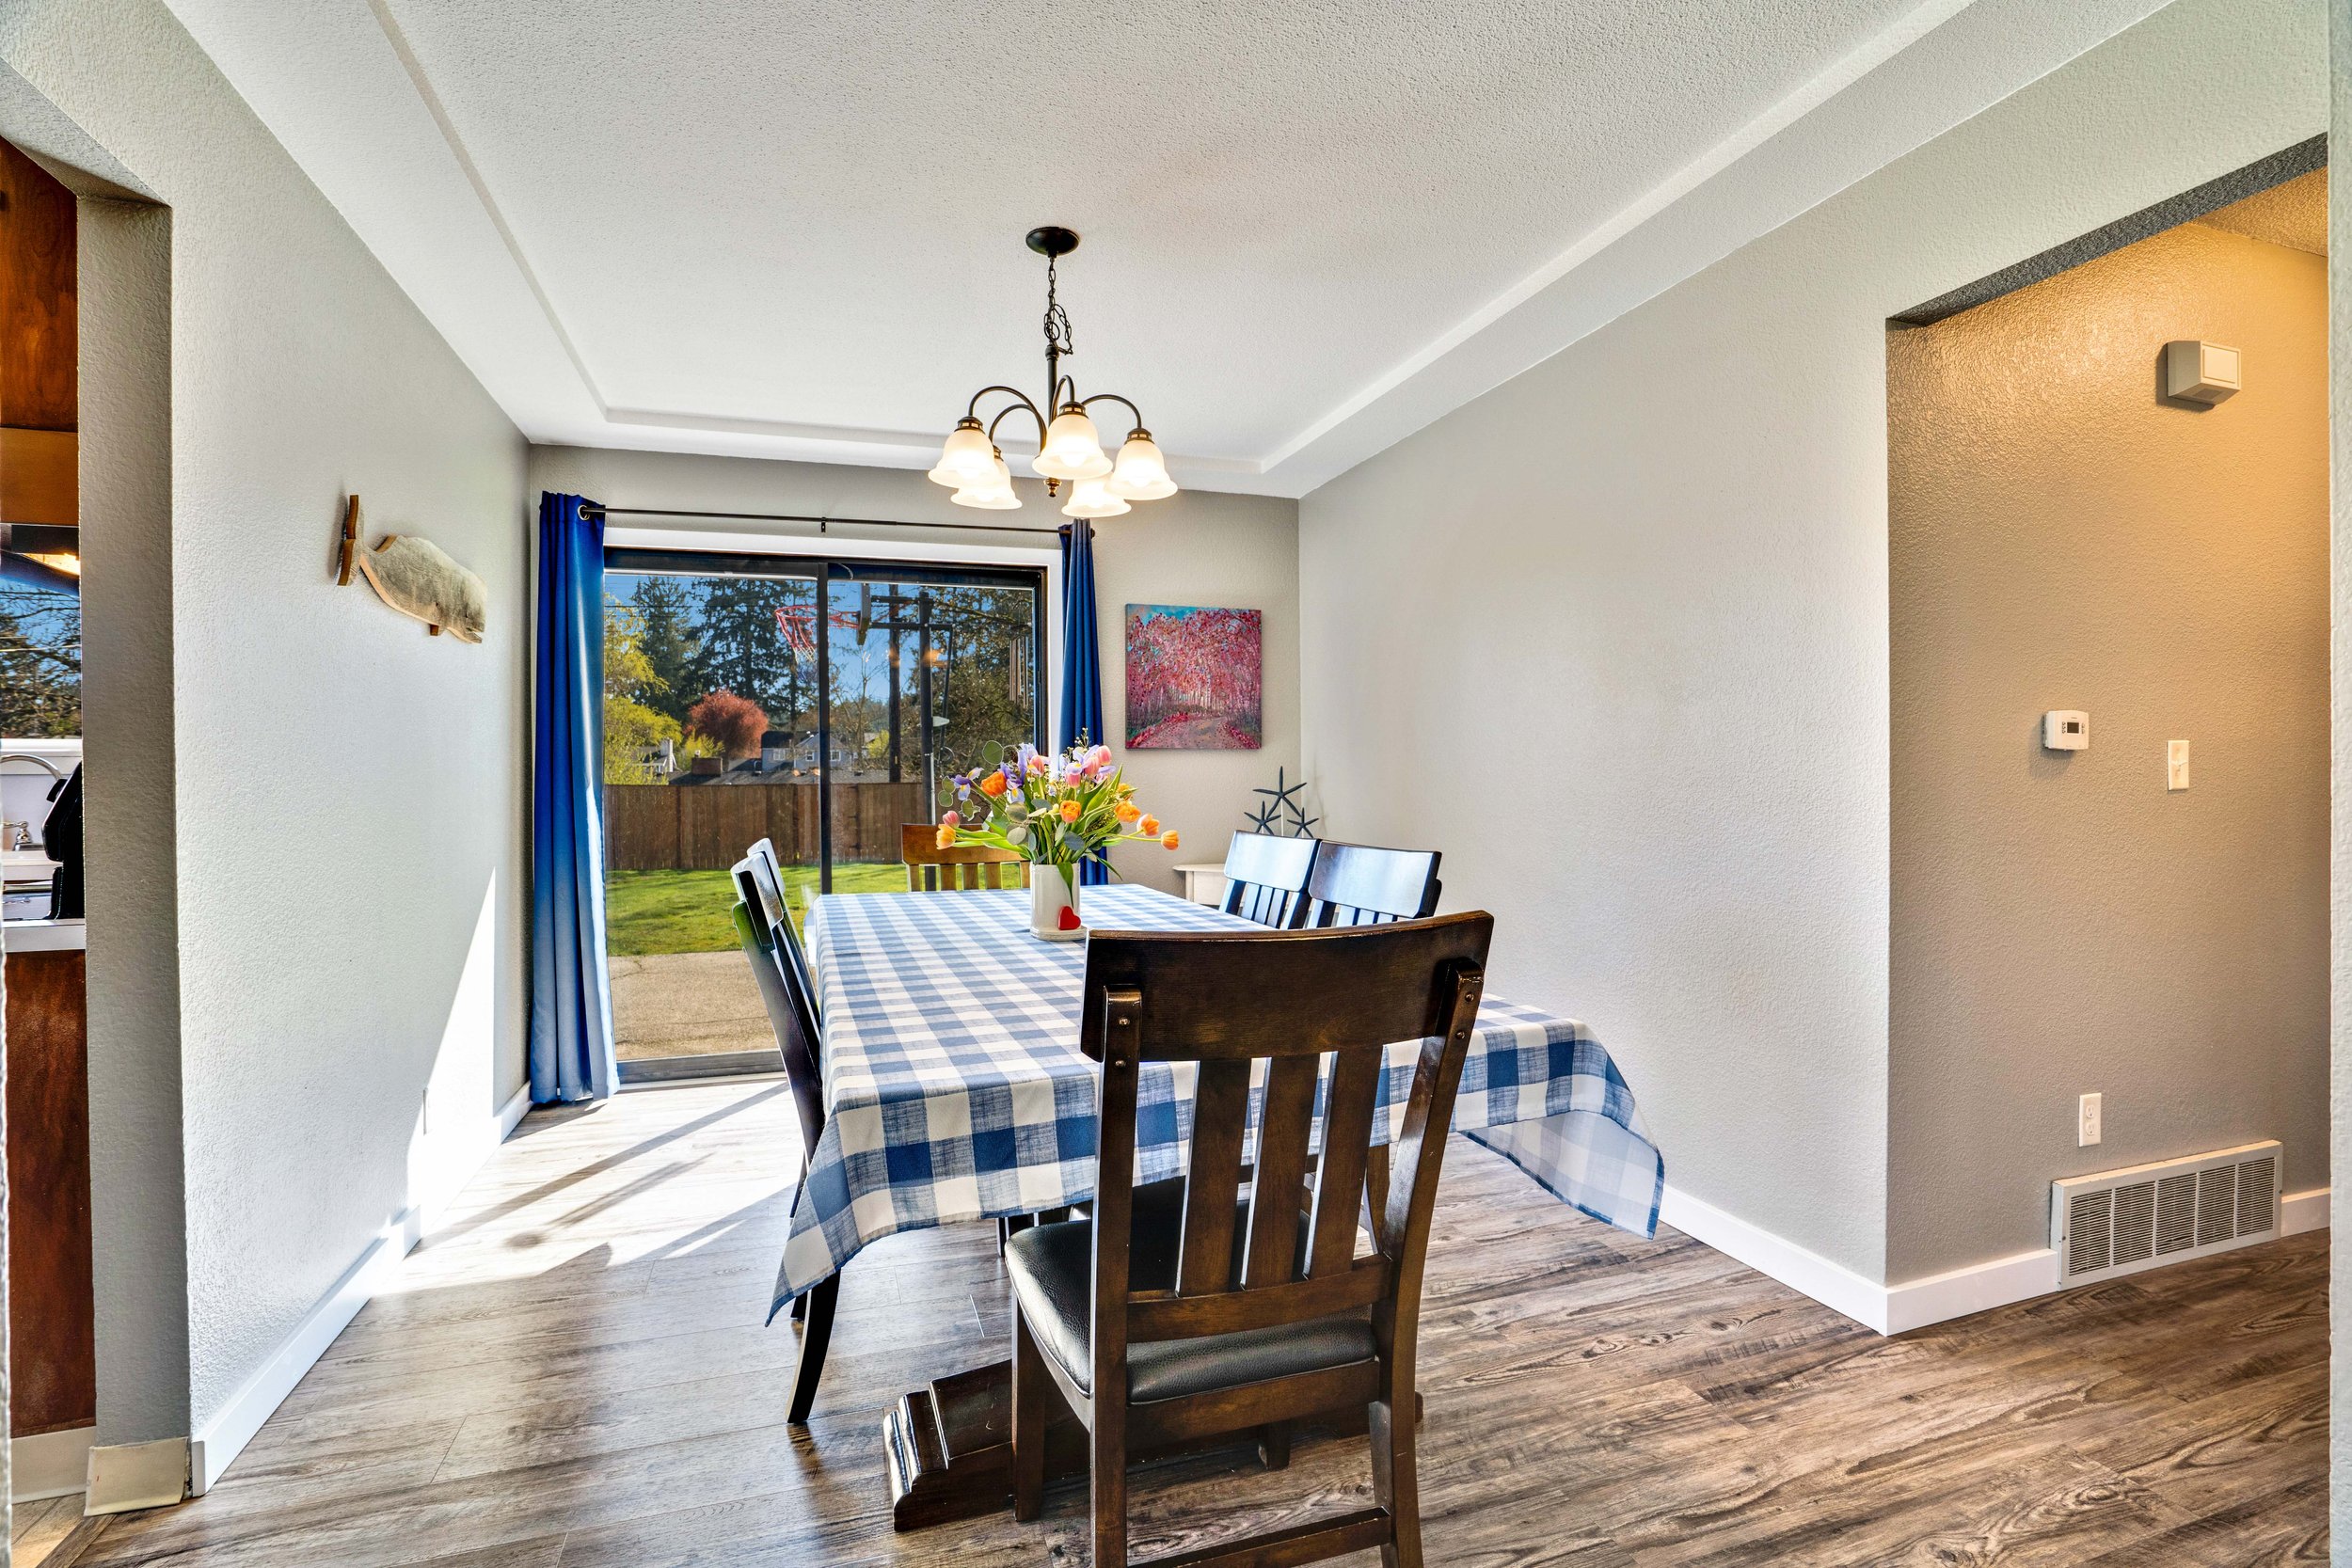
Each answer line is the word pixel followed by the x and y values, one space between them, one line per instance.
pixel 223 1437
pixel 1913 1303
pixel 1978 1288
pixel 1833 1285
pixel 220 1439
pixel 511 1113
pixel 53 1465
pixel 2301 1212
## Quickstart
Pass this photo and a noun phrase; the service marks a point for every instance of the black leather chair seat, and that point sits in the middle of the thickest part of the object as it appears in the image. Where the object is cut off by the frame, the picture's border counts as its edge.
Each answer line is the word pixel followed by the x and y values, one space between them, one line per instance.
pixel 1053 1274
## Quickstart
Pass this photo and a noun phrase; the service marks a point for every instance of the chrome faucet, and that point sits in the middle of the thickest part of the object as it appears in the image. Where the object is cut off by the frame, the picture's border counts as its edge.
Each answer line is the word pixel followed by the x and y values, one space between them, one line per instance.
pixel 42 763
pixel 19 835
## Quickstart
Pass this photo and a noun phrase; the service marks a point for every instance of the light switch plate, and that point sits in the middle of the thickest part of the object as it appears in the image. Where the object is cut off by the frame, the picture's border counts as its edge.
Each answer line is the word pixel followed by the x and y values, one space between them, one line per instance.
pixel 2175 765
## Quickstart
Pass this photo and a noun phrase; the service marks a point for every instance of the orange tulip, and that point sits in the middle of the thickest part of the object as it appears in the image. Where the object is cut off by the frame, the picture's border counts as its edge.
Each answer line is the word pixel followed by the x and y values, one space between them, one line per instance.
pixel 1129 811
pixel 1149 826
pixel 1070 810
pixel 1168 840
pixel 992 785
pixel 946 836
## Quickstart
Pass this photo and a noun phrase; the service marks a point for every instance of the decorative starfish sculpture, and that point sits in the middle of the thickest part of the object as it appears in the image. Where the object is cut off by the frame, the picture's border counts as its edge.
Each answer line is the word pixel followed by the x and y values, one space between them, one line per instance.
pixel 1268 818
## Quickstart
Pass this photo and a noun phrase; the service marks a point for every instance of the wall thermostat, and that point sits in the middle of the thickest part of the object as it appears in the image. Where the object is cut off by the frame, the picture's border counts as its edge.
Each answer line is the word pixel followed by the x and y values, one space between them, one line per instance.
pixel 2065 730
pixel 2201 372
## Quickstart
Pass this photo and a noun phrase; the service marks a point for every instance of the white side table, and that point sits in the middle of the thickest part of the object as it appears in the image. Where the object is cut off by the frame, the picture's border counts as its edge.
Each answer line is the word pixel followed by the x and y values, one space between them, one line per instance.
pixel 1204 882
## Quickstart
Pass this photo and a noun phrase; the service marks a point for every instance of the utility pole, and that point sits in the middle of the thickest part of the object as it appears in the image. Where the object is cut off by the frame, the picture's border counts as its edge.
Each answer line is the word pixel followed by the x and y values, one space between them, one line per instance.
pixel 923 669
pixel 891 604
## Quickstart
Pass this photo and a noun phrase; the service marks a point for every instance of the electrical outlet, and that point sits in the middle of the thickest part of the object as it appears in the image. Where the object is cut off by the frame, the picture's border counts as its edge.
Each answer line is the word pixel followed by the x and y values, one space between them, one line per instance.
pixel 2087 1121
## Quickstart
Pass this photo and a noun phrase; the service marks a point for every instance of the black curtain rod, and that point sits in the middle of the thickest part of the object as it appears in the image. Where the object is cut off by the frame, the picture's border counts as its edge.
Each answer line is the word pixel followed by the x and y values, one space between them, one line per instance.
pixel 822 523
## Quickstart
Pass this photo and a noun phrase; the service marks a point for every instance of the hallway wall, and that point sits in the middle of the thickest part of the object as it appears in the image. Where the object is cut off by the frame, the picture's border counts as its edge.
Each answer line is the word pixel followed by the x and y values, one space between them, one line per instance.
pixel 2063 536
pixel 1615 634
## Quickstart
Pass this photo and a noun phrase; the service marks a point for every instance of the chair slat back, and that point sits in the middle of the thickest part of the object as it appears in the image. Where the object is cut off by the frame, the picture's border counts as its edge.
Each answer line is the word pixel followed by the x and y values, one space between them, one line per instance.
pixel 931 869
pixel 768 876
pixel 1226 1001
pixel 1358 884
pixel 1265 879
pixel 789 1013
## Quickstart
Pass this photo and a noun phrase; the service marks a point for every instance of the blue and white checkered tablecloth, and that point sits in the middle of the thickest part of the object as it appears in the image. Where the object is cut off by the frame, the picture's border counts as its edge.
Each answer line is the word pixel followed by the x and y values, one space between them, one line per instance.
pixel 955 1090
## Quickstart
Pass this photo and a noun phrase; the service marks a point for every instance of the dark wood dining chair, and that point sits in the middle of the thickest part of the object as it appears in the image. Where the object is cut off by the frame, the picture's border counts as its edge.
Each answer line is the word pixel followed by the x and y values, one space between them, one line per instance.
pixel 1158 1324
pixel 1265 879
pixel 769 875
pixel 1357 884
pixel 795 1024
pixel 931 869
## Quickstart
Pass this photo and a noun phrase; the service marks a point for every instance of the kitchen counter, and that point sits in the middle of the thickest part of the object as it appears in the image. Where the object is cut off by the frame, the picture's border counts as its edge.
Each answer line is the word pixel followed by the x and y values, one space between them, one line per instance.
pixel 45 936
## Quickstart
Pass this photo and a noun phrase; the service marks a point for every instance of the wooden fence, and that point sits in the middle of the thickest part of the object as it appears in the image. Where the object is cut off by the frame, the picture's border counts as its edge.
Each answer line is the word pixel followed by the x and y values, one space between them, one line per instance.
pixel 707 827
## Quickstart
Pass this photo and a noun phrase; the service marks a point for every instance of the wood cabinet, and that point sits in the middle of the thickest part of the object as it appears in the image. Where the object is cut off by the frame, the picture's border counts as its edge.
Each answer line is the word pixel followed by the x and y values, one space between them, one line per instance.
pixel 51 1311
pixel 38 347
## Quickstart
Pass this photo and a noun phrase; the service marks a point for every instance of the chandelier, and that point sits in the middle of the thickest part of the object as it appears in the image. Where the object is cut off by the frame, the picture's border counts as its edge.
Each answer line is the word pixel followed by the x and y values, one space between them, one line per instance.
pixel 1067 450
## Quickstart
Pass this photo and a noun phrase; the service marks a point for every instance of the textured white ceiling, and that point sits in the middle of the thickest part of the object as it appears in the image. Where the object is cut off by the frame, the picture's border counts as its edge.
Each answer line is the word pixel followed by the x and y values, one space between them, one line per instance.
pixel 734 226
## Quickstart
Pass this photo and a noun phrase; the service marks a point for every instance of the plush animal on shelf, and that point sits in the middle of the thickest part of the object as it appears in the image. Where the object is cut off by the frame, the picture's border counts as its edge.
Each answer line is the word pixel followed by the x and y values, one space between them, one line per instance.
pixel 416 578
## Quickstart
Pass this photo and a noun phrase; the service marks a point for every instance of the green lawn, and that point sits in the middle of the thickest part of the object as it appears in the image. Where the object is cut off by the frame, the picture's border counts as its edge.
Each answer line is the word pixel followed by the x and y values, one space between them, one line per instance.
pixel 686 912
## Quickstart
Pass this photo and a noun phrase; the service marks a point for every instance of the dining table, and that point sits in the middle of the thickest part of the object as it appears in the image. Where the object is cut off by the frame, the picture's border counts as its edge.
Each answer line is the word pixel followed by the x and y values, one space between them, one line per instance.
pixel 955 1090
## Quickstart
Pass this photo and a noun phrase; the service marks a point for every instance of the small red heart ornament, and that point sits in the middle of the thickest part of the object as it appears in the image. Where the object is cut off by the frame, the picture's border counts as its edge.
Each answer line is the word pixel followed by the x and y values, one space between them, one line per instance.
pixel 1069 918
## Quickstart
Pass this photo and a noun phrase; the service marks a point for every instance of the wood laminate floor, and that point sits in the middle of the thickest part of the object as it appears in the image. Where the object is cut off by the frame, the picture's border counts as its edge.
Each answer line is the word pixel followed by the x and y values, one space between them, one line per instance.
pixel 574 1374
pixel 52 1527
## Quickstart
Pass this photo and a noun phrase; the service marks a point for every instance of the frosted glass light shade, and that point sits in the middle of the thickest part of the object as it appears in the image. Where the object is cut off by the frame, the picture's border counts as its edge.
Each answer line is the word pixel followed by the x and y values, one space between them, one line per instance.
pixel 1091 497
pixel 994 493
pixel 967 459
pixel 1072 449
pixel 1141 473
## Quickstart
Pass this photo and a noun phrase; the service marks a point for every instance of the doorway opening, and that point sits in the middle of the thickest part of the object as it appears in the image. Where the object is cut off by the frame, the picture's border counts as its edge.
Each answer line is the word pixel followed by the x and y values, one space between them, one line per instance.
pixel 51 1310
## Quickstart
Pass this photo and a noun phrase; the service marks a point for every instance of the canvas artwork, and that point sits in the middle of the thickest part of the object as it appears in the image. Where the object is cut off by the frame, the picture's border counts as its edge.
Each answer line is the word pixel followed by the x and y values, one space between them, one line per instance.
pixel 1193 678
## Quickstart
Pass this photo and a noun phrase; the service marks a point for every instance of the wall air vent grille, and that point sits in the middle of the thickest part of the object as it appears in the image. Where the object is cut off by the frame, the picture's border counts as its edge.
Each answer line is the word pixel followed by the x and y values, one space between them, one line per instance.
pixel 2176 1214
pixel 2256 1190
pixel 2135 1222
pixel 2089 1231
pixel 2121 1221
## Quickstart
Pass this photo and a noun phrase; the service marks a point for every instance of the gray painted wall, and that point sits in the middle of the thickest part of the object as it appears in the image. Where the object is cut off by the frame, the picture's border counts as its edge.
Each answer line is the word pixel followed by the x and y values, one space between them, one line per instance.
pixel 344 798
pixel 2062 538
pixel 1193 547
pixel 1614 636
pixel 138 1207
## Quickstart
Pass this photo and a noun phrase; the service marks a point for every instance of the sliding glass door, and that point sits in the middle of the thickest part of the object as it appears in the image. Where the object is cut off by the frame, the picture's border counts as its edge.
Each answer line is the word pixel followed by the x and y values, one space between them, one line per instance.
pixel 929 676
pixel 735 711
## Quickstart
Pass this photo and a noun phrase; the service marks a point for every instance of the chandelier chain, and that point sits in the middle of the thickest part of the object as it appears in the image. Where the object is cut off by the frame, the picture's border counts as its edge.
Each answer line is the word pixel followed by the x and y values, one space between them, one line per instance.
pixel 1058 339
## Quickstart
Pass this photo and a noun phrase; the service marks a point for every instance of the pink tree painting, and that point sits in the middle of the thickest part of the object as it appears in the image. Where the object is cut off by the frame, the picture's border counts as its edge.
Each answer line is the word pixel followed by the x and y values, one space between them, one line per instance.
pixel 1193 679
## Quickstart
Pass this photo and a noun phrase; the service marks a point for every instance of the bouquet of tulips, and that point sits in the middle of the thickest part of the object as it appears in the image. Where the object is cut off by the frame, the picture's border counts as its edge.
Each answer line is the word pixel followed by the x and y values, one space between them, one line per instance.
pixel 1056 811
